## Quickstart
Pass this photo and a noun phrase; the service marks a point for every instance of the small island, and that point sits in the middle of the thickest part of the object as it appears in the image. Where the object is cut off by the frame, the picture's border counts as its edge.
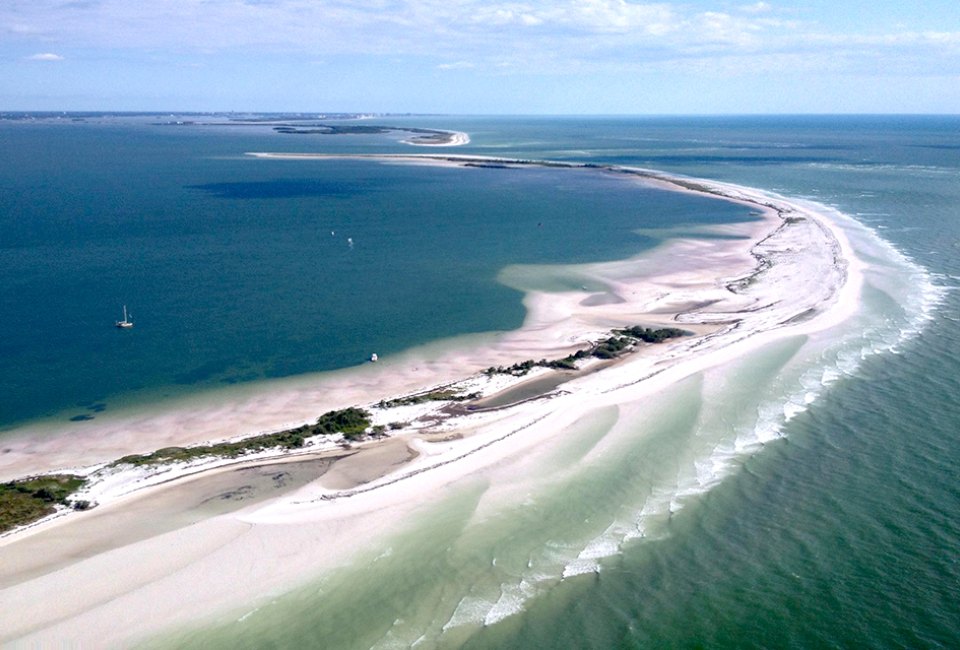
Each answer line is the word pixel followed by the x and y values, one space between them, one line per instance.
pixel 307 125
pixel 429 137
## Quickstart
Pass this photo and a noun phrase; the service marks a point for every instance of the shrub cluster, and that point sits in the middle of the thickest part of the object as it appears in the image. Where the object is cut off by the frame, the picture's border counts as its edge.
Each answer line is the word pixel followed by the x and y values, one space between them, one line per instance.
pixel 433 396
pixel 30 499
pixel 351 422
pixel 609 348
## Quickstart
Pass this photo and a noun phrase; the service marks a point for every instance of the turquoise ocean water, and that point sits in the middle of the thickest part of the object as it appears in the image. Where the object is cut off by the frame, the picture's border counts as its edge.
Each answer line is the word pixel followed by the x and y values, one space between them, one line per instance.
pixel 801 497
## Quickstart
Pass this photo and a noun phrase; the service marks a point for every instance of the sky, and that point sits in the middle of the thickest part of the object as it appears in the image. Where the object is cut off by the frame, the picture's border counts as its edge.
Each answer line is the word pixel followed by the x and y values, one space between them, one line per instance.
pixel 482 57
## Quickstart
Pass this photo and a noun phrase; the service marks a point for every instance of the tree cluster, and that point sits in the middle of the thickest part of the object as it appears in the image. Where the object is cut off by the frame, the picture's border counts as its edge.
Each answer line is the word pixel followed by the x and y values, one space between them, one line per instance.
pixel 29 499
pixel 609 348
pixel 352 422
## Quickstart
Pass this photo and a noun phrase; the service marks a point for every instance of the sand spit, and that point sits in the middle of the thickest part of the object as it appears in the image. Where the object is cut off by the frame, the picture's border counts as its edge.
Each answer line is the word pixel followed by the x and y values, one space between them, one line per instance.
pixel 455 139
pixel 792 273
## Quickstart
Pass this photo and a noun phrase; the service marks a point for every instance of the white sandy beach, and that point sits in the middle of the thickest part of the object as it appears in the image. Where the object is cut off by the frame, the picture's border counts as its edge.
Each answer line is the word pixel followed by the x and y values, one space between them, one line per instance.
pixel 810 281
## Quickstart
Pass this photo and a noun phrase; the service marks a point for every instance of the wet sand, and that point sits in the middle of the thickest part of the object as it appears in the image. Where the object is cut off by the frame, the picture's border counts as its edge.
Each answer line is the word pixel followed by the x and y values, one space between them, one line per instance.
pixel 153 513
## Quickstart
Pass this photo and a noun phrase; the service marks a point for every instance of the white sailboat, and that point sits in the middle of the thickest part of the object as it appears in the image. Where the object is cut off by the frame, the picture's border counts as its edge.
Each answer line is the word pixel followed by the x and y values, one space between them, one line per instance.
pixel 126 322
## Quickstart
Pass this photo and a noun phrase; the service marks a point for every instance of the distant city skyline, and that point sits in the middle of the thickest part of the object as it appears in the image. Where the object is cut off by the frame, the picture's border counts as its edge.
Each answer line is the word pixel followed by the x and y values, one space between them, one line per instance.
pixel 474 57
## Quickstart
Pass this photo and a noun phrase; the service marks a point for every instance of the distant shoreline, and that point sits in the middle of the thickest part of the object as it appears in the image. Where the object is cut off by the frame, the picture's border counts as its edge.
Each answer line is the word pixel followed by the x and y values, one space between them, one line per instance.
pixel 419 136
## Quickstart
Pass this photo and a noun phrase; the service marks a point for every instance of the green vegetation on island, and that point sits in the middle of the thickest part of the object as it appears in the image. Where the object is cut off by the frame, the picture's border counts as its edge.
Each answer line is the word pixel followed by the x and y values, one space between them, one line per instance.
pixel 351 422
pixel 330 129
pixel 649 335
pixel 612 347
pixel 27 500
pixel 421 136
pixel 445 395
pixel 609 348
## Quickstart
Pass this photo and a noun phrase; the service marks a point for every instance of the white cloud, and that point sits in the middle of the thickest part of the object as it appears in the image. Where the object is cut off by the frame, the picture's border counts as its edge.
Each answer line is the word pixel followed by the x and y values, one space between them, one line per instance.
pixel 596 16
pixel 716 27
pixel 45 56
pixel 458 65
pixel 503 36
pixel 756 8
pixel 506 14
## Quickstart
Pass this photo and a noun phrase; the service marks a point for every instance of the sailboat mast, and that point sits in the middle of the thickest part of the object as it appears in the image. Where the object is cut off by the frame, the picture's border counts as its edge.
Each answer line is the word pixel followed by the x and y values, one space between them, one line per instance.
pixel 125 323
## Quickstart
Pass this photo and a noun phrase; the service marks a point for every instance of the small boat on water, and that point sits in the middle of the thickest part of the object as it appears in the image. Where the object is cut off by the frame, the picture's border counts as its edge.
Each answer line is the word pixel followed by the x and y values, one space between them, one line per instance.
pixel 373 357
pixel 126 323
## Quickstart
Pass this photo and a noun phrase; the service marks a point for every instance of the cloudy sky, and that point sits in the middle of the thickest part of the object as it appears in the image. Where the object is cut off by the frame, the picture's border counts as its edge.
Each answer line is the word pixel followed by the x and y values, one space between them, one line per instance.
pixel 475 56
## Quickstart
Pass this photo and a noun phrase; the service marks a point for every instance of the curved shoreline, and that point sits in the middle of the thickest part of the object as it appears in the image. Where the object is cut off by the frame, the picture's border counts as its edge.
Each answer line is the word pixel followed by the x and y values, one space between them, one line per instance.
pixel 796 275
pixel 454 139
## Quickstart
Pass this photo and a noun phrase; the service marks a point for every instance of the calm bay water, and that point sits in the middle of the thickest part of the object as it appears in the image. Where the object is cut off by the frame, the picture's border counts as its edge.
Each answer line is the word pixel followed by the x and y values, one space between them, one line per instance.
pixel 803 497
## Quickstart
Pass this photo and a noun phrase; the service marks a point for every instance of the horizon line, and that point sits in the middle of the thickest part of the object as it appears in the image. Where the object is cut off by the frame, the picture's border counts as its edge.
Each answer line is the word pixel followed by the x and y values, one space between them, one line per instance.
pixel 342 113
